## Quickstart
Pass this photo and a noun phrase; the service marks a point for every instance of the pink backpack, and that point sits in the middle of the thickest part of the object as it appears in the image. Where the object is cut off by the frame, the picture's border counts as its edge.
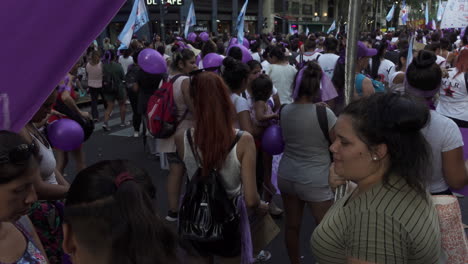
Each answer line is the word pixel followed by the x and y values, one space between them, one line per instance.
pixel 162 110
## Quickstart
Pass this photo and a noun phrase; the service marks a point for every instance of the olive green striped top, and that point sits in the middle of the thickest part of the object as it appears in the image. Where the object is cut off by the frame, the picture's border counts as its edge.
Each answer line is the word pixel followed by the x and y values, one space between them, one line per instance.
pixel 383 225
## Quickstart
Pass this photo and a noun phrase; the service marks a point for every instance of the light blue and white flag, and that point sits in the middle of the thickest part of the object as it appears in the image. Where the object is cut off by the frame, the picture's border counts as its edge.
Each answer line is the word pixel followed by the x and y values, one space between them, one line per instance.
pixel 391 13
pixel 291 30
pixel 307 31
pixel 409 58
pixel 426 14
pixel 440 11
pixel 191 19
pixel 332 27
pixel 434 24
pixel 404 13
pixel 240 23
pixel 138 18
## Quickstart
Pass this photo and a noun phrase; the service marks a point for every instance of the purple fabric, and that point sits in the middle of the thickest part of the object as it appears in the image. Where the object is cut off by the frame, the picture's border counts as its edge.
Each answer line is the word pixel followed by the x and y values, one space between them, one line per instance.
pixel 327 89
pixel 246 237
pixel 464 132
pixel 419 93
pixel 363 51
pixel 61 31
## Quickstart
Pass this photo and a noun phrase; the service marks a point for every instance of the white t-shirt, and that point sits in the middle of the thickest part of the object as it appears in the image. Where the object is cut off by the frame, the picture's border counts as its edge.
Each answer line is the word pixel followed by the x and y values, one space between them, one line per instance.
pixel 396 87
pixel 308 56
pixel 256 56
pixel 328 62
pixel 441 61
pixel 283 78
pixel 125 62
pixel 453 100
pixel 240 104
pixel 265 66
pixel 443 135
pixel 386 69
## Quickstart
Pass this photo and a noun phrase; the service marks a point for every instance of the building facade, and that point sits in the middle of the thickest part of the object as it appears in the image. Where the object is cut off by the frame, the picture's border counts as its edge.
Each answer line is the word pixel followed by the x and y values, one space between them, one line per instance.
pixel 219 16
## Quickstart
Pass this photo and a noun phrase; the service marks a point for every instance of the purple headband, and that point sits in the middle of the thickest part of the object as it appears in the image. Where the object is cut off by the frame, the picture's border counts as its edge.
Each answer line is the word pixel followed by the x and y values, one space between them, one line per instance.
pixel 419 93
pixel 284 44
pixel 253 42
pixel 295 94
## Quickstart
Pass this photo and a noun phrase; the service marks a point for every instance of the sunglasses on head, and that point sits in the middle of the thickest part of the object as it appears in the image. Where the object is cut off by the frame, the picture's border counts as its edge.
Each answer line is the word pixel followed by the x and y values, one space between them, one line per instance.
pixel 19 155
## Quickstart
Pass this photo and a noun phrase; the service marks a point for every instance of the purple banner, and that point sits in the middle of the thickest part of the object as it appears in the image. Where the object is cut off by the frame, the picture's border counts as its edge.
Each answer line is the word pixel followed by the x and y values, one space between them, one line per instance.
pixel 40 42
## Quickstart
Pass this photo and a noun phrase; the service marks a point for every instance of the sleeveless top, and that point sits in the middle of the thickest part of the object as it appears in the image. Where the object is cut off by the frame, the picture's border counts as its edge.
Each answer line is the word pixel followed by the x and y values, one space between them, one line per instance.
pixel 48 163
pixel 230 172
pixel 32 254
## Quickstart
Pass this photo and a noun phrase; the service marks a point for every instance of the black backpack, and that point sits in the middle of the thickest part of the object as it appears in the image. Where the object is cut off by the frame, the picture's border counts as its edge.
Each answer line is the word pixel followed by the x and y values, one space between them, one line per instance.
pixel 207 217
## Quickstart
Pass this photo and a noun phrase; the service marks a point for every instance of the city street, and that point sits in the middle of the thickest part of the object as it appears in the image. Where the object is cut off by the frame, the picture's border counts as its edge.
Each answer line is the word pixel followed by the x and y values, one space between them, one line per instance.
pixel 119 144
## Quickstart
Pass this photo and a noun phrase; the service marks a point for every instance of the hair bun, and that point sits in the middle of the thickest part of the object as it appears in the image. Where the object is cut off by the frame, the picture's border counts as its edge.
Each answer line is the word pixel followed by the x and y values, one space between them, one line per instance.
pixel 425 59
pixel 403 113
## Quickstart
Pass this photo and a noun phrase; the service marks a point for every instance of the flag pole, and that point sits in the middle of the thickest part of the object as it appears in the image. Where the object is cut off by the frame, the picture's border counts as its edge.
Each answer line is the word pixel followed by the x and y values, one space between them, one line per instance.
pixel 351 60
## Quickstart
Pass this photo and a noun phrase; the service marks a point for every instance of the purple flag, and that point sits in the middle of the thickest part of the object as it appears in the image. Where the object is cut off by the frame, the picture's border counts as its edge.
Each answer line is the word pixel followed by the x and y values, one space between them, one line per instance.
pixel 41 41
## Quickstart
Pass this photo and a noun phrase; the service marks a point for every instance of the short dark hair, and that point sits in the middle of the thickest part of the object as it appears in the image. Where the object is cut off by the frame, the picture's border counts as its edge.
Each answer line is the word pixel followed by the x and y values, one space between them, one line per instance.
pixel 331 44
pixel 235 52
pixel 262 87
pixel 118 219
pixel 396 121
pixel 278 52
pixel 310 45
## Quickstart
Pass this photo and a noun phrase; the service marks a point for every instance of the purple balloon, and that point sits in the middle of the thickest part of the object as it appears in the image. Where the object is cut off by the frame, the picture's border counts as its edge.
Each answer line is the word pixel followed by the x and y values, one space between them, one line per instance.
pixel 245 42
pixel 192 37
pixel 212 60
pixel 272 140
pixel 152 62
pixel 246 56
pixel 65 134
pixel 198 59
pixel 204 36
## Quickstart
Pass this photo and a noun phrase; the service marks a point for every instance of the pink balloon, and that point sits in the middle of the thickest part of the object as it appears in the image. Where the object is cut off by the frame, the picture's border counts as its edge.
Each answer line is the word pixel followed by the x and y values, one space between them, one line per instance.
pixel 152 62
pixel 204 36
pixel 246 56
pixel 272 140
pixel 212 60
pixel 65 134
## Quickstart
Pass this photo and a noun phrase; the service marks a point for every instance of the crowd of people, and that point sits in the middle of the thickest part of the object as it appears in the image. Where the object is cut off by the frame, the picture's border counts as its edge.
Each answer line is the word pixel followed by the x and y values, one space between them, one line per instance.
pixel 397 143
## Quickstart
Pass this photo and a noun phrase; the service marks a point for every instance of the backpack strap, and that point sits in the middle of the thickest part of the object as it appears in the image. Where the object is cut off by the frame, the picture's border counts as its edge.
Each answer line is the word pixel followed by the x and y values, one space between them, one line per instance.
pixel 318 57
pixel 466 81
pixel 323 121
pixel 174 79
pixel 195 153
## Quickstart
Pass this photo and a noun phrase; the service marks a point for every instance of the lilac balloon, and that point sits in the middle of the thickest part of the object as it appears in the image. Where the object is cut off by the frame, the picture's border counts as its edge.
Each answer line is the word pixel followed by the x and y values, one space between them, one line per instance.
pixel 212 60
pixel 246 56
pixel 65 134
pixel 272 140
pixel 192 37
pixel 204 36
pixel 246 42
pixel 152 62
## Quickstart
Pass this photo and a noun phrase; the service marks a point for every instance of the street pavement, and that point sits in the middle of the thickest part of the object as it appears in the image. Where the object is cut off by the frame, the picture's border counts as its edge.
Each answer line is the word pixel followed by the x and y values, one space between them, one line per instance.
pixel 119 144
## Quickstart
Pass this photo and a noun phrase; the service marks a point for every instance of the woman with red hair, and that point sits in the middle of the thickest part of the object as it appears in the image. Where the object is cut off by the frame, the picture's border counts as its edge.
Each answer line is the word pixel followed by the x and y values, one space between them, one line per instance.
pixel 213 135
pixel 453 100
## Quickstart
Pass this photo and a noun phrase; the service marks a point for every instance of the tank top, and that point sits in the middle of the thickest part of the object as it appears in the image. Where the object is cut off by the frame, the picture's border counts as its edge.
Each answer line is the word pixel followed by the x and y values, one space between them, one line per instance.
pixel 32 254
pixel 230 172
pixel 48 163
